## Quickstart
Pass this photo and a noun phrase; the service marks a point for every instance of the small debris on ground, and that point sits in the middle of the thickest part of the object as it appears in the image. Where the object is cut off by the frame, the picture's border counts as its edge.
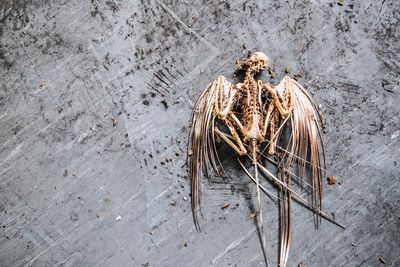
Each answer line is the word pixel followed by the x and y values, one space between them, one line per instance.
pixel 340 2
pixel 381 259
pixel 185 198
pixel 151 233
pixel 42 85
pixel 244 46
pixel 297 76
pixel 287 70
pixel 185 244
pixel 252 215
pixel 353 244
pixel 331 180
pixel 270 71
pixel 190 152
pixel 97 215
pixel 165 104
pixel 145 264
pixel 114 122
pixel 225 206
pixel 118 218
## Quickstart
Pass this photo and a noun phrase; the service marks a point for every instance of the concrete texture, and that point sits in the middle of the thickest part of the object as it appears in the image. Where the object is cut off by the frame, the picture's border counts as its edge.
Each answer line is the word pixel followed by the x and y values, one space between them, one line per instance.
pixel 95 100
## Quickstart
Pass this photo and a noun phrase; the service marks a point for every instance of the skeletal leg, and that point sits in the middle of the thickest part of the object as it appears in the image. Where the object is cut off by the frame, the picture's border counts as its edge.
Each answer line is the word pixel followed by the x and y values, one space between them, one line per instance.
pixel 242 129
pixel 272 144
pixel 238 147
pixel 267 120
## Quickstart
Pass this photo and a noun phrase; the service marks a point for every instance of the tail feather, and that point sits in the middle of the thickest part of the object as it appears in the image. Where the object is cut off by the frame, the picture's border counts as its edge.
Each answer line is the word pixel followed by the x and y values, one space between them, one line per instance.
pixel 259 217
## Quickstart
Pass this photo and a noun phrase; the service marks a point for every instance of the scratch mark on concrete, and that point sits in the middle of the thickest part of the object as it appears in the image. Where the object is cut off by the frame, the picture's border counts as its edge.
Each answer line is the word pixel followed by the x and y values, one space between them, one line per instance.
pixel 27 55
pixel 132 198
pixel 161 194
pixel 370 155
pixel 41 253
pixel 172 13
pixel 232 246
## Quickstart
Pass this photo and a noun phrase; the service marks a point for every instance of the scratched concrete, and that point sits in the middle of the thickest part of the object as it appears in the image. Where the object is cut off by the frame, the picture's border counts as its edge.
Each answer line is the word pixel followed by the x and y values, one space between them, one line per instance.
pixel 95 100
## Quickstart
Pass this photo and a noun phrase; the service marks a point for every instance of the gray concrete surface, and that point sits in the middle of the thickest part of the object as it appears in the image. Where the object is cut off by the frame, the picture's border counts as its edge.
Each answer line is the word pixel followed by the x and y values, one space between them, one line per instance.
pixel 95 100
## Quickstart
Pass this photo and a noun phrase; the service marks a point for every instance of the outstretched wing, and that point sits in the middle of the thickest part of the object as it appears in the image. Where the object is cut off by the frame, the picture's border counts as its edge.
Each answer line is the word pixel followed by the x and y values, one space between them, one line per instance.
pixel 202 154
pixel 305 145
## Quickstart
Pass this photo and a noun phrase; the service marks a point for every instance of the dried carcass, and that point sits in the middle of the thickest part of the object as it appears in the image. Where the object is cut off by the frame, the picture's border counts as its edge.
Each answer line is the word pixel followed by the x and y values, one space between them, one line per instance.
pixel 254 114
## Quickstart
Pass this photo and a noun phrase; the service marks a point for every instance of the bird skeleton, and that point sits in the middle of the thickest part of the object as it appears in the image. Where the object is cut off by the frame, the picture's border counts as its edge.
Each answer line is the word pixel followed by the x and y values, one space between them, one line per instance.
pixel 251 117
